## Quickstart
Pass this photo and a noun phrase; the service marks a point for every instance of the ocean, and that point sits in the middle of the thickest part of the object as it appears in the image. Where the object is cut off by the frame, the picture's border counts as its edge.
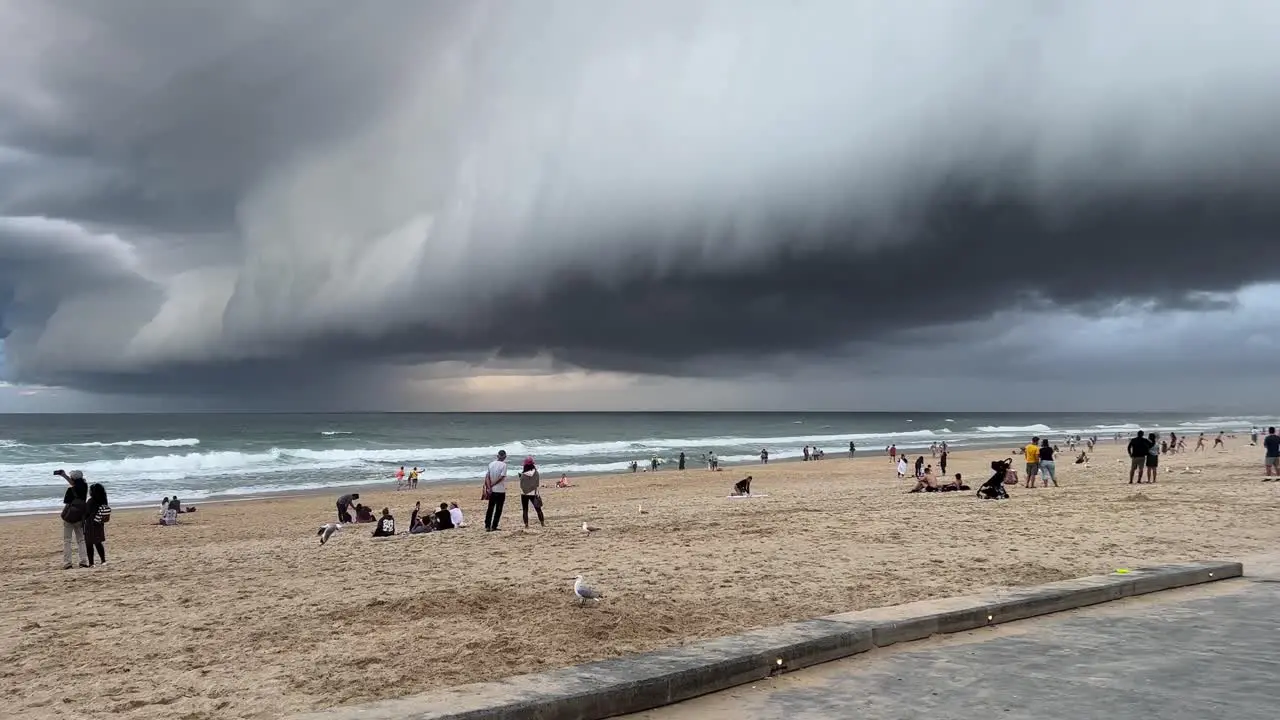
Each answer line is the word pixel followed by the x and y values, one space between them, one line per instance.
pixel 144 457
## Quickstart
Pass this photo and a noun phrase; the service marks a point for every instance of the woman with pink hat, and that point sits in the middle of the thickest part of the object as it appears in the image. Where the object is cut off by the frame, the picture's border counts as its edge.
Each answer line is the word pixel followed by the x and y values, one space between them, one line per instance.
pixel 529 480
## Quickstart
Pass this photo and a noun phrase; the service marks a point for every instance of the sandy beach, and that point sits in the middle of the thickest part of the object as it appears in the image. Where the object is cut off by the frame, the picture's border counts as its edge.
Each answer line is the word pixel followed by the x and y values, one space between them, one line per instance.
pixel 238 612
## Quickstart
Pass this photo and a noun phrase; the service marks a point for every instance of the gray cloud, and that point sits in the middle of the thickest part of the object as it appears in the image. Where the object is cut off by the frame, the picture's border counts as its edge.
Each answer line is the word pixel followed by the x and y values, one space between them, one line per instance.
pixel 256 197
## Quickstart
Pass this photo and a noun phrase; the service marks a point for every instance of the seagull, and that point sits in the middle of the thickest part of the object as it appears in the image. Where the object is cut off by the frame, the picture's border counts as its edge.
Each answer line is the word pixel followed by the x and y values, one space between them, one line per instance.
pixel 587 529
pixel 327 530
pixel 584 592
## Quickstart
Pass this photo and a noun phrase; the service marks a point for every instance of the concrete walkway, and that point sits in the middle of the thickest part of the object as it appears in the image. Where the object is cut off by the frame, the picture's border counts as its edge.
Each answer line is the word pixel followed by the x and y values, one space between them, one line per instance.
pixel 1194 654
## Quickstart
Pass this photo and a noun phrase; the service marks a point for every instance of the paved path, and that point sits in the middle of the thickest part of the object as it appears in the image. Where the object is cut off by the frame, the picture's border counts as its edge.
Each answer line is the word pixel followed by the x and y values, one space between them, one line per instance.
pixel 1195 654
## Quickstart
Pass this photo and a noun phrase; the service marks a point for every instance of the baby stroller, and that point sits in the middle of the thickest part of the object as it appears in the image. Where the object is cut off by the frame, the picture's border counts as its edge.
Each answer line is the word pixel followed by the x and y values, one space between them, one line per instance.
pixel 993 489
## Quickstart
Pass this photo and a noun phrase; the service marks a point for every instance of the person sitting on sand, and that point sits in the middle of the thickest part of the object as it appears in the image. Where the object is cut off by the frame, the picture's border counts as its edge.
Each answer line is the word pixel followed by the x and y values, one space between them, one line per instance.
pixel 444 517
pixel 169 516
pixel 926 482
pixel 455 515
pixel 743 486
pixel 386 524
pixel 415 516
pixel 1082 458
pixel 364 514
pixel 563 482
pixel 417 526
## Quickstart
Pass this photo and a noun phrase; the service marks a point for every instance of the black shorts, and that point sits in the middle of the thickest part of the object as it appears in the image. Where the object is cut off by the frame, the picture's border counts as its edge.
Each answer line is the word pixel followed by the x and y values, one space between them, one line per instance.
pixel 1153 461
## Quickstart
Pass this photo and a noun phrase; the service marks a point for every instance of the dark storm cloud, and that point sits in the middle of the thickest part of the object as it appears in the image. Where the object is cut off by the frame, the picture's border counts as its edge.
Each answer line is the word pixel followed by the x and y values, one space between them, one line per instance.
pixel 257 198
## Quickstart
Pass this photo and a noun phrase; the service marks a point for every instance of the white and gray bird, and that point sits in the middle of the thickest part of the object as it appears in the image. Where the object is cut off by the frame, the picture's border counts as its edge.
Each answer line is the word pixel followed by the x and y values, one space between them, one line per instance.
pixel 585 592
pixel 327 530
pixel 588 529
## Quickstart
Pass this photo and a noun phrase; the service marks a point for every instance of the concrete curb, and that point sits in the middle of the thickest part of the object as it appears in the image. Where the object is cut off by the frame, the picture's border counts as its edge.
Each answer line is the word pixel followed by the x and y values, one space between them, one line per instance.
pixel 608 688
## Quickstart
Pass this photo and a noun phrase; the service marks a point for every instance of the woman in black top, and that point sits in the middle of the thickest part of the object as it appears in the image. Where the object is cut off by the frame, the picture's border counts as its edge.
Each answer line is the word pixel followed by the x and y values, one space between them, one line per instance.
pixel 73 515
pixel 1048 468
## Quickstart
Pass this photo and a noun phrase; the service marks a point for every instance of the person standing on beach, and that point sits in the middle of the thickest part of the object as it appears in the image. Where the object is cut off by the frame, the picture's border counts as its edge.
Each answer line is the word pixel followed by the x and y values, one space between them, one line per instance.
pixel 1153 456
pixel 1032 455
pixel 942 459
pixel 852 448
pixel 74 508
pixel 495 490
pixel 893 454
pixel 1138 448
pixel 344 507
pixel 1271 458
pixel 95 522
pixel 529 481
pixel 764 456
pixel 1048 467
pixel 682 460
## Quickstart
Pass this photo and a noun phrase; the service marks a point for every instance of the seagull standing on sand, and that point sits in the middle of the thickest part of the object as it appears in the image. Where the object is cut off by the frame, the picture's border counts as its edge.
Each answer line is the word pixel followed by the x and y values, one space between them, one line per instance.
pixel 327 530
pixel 585 592
pixel 588 529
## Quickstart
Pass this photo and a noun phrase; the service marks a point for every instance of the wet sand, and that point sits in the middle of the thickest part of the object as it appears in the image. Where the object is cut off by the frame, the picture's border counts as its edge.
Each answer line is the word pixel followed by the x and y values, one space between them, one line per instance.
pixel 238 612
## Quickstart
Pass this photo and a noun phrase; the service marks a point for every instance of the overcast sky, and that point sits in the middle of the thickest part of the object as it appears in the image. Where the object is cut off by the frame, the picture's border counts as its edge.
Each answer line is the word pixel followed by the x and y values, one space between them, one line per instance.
pixel 639 204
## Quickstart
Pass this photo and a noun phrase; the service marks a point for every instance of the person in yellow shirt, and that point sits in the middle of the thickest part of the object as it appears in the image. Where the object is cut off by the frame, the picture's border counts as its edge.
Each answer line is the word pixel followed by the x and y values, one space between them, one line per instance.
pixel 1032 454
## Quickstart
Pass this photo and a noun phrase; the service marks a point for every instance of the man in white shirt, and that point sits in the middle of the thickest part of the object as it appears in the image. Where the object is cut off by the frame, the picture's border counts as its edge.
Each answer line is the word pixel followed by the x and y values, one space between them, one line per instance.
pixel 495 482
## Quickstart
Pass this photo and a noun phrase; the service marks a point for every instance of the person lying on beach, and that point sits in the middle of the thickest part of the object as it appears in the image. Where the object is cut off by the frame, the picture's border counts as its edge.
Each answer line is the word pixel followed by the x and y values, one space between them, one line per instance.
pixel 364 514
pixel 926 482
pixel 386 524
pixel 743 486
pixel 954 485
pixel 455 515
pixel 444 517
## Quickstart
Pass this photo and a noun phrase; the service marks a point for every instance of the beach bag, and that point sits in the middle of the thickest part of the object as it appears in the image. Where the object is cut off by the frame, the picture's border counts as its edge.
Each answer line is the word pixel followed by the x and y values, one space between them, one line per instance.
pixel 104 514
pixel 73 512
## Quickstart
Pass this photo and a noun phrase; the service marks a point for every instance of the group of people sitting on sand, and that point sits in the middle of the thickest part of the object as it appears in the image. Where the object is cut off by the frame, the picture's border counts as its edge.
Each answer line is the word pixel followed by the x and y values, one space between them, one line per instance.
pixel 171 508
pixel 448 517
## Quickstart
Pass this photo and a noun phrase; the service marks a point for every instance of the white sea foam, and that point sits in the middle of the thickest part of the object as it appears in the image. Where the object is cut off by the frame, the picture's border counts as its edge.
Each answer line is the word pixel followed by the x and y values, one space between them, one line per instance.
pixel 1005 429
pixel 171 442
pixel 331 433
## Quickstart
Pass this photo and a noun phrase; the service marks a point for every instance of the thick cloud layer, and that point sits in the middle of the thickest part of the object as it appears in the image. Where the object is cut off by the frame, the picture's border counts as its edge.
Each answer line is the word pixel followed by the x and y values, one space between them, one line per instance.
pixel 258 195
